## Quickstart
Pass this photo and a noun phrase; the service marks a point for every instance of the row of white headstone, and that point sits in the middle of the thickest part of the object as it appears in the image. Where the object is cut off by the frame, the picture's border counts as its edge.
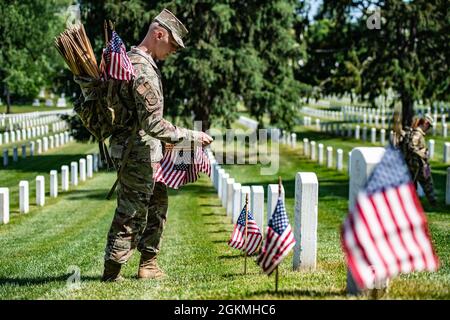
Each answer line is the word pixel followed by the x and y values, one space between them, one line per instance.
pixel 233 196
pixel 30 133
pixel 247 122
pixel 79 171
pixel 31 119
pixel 39 146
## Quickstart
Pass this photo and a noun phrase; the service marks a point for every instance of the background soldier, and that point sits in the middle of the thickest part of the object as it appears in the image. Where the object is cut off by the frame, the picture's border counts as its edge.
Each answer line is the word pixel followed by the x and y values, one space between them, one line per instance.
pixel 416 155
pixel 141 204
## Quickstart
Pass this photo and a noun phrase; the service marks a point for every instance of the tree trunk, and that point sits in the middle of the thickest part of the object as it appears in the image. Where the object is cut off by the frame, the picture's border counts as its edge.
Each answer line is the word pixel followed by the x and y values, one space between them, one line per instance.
pixel 8 100
pixel 407 109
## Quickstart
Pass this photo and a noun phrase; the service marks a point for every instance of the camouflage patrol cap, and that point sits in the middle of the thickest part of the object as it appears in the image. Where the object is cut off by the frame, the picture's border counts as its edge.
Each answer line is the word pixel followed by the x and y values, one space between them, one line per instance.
pixel 430 120
pixel 168 20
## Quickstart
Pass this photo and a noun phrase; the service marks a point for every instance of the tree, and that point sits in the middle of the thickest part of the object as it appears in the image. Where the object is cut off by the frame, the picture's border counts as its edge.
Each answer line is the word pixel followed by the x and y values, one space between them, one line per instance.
pixel 235 52
pixel 409 53
pixel 28 59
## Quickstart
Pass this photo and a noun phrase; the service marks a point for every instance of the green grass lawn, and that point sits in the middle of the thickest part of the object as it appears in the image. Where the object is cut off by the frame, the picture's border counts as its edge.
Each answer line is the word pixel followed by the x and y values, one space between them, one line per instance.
pixel 29 108
pixel 40 250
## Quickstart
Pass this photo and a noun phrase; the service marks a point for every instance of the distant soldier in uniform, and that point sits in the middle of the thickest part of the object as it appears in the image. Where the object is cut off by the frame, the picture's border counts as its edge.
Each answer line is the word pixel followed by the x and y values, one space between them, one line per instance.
pixel 416 154
pixel 141 203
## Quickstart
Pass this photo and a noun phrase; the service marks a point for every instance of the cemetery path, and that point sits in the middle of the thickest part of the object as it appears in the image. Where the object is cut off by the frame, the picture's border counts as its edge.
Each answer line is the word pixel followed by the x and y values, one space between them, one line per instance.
pixel 41 252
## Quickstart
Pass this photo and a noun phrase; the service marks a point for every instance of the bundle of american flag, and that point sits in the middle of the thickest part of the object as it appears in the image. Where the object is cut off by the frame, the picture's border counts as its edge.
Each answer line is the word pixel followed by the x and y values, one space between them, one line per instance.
pixel 247 241
pixel 115 63
pixel 279 239
pixel 182 164
pixel 386 232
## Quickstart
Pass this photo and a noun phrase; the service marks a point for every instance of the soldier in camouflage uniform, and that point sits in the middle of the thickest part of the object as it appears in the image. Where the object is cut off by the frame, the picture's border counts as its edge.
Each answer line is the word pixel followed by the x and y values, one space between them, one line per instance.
pixel 416 155
pixel 142 204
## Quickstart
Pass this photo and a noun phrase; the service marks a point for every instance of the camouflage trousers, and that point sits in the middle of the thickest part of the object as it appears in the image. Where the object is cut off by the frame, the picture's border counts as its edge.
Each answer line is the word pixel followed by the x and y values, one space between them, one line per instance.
pixel 140 215
pixel 422 176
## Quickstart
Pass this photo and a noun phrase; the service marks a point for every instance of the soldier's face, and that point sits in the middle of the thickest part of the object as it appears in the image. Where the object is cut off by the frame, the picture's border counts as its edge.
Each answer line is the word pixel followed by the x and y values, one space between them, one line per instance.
pixel 166 45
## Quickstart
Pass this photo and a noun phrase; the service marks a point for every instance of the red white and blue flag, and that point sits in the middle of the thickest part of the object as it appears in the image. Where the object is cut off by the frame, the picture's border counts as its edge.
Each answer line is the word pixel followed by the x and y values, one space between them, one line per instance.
pixel 115 63
pixel 254 236
pixel 279 240
pixel 386 232
pixel 181 165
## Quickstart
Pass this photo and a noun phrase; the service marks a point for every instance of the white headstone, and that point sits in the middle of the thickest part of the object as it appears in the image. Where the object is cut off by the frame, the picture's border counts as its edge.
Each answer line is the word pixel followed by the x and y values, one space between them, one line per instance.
pixel 65 178
pixel 74 173
pixel 24 197
pixel 90 166
pixel 40 191
pixel 257 205
pixel 447 152
pixel 82 167
pixel 51 142
pixel 219 182
pixel 236 209
pixel 24 151
pixel 293 140
pixel 320 153
pixel 339 159
pixel 45 144
pixel 444 130
pixel 4 205
pixel 229 200
pixel 95 164
pixel 53 183
pixel 329 157
pixel 363 160
pixel 305 228
pixel 223 195
pixel 272 199
pixel 245 190
pixel 357 132
pixel 431 148
pixel 373 135
pixel 39 146
pixel 364 134
pixel 313 150
pixel 383 137
pixel 306 146
pixel 447 192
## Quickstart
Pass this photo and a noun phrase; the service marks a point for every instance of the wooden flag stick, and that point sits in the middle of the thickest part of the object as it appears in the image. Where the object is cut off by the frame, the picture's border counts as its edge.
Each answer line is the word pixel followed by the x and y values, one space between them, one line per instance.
pixel 246 230
pixel 276 270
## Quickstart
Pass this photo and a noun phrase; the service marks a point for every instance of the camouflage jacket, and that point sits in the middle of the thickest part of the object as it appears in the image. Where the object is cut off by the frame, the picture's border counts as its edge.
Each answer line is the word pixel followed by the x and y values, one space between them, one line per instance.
pixel 147 97
pixel 417 150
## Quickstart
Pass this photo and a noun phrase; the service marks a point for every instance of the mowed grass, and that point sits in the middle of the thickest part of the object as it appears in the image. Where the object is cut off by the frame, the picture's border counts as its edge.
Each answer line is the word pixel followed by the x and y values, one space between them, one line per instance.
pixel 29 108
pixel 41 250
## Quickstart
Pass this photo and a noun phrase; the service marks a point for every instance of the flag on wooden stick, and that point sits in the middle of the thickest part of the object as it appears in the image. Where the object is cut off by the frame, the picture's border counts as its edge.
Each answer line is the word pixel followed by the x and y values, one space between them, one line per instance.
pixel 279 240
pixel 181 165
pixel 115 63
pixel 254 236
pixel 386 232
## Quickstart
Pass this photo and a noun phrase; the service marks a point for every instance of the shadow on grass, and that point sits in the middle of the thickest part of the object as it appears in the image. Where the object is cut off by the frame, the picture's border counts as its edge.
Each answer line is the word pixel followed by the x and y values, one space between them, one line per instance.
pixel 229 257
pixel 297 293
pixel 219 231
pixel 82 194
pixel 44 280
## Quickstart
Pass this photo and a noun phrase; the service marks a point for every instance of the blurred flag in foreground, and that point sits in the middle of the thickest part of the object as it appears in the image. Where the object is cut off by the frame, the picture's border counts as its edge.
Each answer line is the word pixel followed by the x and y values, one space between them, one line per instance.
pixel 279 240
pixel 181 165
pixel 254 236
pixel 386 233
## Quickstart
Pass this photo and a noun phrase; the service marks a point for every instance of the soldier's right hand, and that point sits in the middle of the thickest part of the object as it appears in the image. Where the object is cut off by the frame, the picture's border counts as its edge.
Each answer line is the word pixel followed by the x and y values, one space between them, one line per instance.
pixel 204 139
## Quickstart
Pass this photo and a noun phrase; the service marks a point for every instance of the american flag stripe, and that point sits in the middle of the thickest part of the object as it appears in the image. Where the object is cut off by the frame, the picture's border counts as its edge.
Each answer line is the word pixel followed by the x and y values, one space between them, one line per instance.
pixel 115 62
pixel 239 240
pixel 177 170
pixel 277 248
pixel 386 232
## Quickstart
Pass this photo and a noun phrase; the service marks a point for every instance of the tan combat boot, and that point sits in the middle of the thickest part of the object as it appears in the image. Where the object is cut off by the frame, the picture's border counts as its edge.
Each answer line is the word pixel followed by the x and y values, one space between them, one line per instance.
pixel 148 268
pixel 111 272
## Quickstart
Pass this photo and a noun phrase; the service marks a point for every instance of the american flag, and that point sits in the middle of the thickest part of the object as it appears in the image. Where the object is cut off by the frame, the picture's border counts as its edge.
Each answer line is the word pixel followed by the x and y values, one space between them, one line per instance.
pixel 386 232
pixel 279 240
pixel 115 63
pixel 181 165
pixel 254 236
